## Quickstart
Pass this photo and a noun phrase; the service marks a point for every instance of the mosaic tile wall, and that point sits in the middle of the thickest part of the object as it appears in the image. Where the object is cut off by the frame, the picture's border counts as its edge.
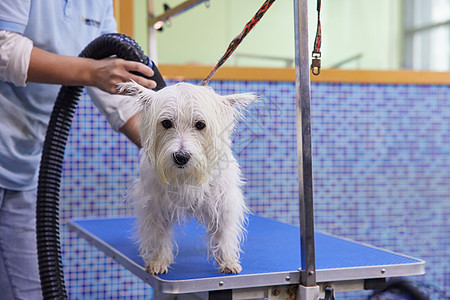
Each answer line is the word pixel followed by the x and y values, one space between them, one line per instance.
pixel 381 164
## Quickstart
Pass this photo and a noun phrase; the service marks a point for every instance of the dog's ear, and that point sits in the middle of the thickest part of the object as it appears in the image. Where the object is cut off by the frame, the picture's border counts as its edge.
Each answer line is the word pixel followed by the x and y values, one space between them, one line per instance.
pixel 143 94
pixel 241 100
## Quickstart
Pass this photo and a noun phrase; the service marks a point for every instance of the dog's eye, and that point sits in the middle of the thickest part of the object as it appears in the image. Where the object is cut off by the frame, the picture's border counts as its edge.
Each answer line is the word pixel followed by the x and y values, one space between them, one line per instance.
pixel 200 125
pixel 167 124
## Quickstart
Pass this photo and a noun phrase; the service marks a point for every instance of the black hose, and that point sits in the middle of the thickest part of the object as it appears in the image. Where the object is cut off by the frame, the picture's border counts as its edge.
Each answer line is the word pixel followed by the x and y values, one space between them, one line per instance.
pixel 47 211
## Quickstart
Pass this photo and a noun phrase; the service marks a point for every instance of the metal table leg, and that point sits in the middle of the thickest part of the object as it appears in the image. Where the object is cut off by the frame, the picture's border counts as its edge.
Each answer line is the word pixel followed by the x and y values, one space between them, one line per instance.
pixel 308 287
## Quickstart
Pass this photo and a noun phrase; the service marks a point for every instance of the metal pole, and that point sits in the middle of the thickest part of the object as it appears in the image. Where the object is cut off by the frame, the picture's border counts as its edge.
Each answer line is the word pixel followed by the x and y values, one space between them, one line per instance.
pixel 152 47
pixel 304 153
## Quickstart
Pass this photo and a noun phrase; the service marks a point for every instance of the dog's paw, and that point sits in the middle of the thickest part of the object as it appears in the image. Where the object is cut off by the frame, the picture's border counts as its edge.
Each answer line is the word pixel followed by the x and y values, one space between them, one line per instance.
pixel 230 268
pixel 155 267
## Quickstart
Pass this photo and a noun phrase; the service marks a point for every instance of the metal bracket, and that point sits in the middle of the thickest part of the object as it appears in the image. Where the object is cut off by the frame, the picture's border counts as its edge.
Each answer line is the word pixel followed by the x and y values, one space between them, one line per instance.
pixel 288 292
pixel 308 292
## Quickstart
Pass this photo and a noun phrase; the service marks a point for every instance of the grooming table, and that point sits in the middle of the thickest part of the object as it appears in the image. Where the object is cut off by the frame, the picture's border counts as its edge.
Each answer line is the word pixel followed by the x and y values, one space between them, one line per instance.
pixel 271 259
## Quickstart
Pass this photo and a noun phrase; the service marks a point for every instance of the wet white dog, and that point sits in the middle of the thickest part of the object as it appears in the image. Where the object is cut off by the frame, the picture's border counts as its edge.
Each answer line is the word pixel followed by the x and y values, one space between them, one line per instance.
pixel 188 170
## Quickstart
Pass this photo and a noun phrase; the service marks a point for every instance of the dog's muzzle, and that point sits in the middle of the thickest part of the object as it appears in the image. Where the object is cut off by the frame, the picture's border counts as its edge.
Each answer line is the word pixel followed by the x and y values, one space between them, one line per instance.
pixel 181 158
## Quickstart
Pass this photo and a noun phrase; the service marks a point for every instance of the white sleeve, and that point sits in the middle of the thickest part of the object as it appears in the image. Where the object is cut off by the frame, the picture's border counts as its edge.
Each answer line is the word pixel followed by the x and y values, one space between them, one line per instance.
pixel 15 52
pixel 117 109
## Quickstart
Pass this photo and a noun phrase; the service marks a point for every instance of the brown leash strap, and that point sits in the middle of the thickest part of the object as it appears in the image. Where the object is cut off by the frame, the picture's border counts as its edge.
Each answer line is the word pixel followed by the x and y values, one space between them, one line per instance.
pixel 238 39
pixel 315 65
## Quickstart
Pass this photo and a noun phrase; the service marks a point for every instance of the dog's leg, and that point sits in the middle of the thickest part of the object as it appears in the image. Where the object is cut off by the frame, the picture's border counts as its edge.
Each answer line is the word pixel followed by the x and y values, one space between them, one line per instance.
pixel 227 232
pixel 156 246
pixel 225 247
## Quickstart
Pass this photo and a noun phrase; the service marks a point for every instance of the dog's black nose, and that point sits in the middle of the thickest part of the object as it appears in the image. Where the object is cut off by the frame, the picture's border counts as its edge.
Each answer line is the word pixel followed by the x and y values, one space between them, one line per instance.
pixel 181 158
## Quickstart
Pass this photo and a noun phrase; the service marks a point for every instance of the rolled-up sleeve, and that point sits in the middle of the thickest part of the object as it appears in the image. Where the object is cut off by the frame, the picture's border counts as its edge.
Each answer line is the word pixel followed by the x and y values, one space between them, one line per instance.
pixel 15 53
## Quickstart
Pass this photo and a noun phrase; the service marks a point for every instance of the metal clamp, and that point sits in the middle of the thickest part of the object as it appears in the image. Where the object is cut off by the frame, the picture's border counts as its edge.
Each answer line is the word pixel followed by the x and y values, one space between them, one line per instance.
pixel 315 65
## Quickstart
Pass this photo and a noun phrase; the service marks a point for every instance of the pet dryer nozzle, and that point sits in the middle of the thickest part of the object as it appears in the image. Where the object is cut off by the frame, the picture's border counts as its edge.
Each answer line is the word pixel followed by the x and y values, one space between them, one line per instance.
pixel 157 77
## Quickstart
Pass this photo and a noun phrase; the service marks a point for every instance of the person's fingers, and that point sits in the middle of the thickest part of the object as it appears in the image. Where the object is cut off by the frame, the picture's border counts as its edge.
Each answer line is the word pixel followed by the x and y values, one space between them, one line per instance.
pixel 132 66
pixel 140 73
pixel 150 84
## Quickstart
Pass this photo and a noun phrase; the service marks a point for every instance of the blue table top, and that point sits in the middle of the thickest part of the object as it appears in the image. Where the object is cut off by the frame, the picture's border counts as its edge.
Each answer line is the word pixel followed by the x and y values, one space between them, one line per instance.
pixel 271 255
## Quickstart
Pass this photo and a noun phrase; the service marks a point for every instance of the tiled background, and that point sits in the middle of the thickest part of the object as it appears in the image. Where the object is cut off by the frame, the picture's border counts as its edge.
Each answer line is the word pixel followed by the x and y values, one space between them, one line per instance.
pixel 381 164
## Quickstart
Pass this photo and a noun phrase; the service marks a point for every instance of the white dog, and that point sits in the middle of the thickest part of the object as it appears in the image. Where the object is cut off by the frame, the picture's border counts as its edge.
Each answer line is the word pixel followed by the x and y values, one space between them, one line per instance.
pixel 187 170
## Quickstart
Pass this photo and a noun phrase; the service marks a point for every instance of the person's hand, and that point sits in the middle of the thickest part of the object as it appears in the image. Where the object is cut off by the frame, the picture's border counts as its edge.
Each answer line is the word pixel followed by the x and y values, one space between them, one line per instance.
pixel 108 72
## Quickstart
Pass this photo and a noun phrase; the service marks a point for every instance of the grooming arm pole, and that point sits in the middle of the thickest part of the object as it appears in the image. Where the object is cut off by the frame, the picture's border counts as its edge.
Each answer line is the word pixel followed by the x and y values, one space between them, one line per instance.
pixel 308 289
pixel 186 5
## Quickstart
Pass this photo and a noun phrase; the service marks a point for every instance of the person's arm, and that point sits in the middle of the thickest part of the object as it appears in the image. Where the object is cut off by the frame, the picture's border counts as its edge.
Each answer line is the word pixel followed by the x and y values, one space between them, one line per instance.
pixel 131 130
pixel 17 66
pixel 121 111
pixel 105 74
pixel 46 67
